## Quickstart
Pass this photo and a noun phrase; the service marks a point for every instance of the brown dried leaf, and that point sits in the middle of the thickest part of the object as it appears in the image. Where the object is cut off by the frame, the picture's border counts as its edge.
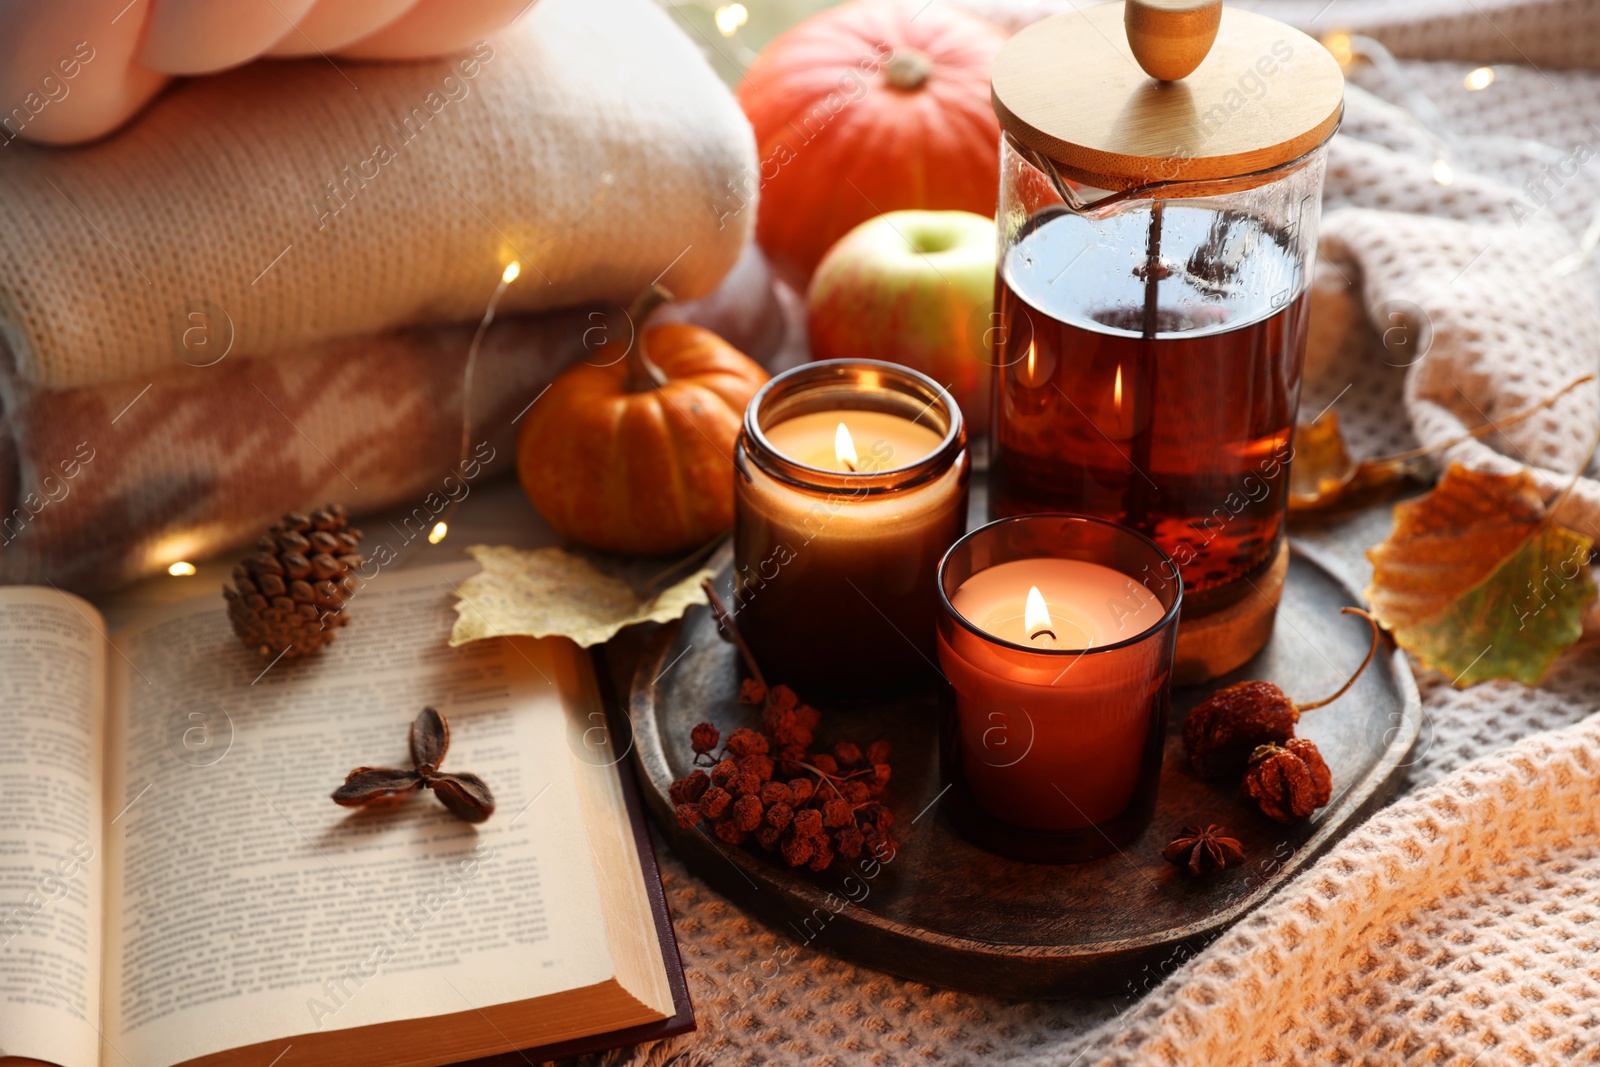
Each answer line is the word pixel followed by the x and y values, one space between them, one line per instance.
pixel 1324 476
pixel 466 795
pixel 1478 582
pixel 366 784
pixel 549 591
pixel 430 740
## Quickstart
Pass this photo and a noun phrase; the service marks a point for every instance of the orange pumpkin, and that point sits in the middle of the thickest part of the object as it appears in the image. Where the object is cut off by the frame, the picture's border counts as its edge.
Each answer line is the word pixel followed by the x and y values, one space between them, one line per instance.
pixel 632 449
pixel 866 108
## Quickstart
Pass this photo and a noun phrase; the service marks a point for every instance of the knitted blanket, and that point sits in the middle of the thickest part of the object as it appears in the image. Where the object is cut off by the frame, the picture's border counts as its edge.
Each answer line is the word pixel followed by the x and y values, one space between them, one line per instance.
pixel 106 483
pixel 1457 925
pixel 289 203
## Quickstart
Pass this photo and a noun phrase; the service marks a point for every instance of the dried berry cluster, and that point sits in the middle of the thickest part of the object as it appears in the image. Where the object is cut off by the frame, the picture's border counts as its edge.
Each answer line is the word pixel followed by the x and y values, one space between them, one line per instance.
pixel 768 786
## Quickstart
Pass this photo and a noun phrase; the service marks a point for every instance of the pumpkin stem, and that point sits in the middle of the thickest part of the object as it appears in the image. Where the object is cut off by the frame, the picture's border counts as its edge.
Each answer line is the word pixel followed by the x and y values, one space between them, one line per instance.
pixel 641 374
pixel 908 69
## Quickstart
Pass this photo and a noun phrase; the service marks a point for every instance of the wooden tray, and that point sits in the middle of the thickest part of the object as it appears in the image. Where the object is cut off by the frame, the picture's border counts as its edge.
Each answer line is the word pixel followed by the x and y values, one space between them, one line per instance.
pixel 948 914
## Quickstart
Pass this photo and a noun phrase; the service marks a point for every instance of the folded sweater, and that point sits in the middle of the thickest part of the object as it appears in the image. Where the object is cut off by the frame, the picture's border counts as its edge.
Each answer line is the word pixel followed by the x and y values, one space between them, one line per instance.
pixel 285 204
pixel 103 484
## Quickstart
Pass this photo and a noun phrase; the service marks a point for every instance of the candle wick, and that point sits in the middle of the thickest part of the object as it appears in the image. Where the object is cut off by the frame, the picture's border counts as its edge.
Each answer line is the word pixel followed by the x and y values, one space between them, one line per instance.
pixel 848 465
pixel 1037 634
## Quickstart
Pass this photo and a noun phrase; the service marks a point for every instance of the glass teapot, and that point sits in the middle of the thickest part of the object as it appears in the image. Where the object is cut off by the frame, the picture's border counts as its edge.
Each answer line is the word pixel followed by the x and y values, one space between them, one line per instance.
pixel 1160 184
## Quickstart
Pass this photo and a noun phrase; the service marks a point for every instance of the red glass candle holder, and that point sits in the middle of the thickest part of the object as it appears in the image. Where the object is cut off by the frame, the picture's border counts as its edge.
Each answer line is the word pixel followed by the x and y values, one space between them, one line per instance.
pixel 1054 742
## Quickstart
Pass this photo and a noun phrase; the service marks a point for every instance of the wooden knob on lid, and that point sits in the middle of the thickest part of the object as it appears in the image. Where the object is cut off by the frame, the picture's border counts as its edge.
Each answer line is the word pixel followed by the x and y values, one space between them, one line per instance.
pixel 1170 38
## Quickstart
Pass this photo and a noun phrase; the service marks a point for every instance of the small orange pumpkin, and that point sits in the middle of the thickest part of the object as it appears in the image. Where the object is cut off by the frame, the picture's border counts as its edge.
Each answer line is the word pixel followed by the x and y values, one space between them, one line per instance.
pixel 632 449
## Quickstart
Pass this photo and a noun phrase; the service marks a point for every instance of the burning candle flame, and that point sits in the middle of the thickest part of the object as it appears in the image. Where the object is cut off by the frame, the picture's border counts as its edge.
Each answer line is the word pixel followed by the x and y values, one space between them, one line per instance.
pixel 844 447
pixel 1116 390
pixel 1036 620
pixel 1033 375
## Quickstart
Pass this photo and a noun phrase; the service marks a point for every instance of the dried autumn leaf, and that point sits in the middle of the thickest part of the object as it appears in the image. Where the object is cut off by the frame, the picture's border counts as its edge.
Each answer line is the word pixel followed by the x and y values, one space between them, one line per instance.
pixel 548 591
pixel 1478 582
pixel 1323 475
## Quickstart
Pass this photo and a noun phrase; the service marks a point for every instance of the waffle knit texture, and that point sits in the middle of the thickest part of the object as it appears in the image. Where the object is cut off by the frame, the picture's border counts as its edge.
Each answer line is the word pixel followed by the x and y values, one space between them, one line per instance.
pixel 1456 926
pixel 294 203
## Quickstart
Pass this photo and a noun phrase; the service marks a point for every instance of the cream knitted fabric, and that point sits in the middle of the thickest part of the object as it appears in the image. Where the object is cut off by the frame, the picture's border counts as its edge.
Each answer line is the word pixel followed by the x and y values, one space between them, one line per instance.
pixel 193 462
pixel 1457 926
pixel 289 203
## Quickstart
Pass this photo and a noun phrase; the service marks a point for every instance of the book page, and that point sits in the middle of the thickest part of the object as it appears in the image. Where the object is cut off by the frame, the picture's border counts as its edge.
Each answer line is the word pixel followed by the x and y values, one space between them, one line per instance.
pixel 52 686
pixel 248 907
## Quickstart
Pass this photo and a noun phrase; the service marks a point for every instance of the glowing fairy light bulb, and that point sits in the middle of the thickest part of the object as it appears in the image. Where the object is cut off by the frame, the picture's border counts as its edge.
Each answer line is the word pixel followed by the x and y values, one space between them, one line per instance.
pixel 1339 45
pixel 730 17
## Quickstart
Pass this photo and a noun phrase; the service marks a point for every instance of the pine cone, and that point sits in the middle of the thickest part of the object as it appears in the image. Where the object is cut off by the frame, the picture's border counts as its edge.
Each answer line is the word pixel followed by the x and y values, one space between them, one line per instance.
pixel 288 598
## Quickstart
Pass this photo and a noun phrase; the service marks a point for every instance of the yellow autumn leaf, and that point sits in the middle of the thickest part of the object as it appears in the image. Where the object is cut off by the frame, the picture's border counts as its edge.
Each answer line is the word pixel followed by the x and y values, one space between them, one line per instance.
pixel 1324 476
pixel 547 592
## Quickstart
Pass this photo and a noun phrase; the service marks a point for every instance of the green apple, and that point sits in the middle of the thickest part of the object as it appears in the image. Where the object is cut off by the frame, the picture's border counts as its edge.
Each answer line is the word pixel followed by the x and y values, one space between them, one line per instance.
pixel 916 288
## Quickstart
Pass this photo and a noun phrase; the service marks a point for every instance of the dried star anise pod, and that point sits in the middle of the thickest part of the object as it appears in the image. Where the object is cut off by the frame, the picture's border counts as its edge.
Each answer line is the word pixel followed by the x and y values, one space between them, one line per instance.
pixel 1289 781
pixel 466 795
pixel 1204 851
pixel 1223 730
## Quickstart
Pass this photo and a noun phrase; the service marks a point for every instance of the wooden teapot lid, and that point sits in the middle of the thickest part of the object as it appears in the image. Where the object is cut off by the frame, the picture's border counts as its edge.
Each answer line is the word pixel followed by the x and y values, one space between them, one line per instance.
pixel 1074 89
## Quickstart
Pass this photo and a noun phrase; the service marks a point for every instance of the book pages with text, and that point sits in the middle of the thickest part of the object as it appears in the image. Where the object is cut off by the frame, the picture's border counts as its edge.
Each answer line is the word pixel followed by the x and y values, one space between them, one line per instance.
pixel 248 907
pixel 52 691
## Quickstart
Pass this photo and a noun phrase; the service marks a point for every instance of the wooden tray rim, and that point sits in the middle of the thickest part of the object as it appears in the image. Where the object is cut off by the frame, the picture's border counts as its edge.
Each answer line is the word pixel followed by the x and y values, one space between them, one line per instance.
pixel 653 768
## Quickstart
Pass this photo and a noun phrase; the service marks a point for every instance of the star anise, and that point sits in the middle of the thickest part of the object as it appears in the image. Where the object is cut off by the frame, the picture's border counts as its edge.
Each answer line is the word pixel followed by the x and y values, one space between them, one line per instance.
pixel 1204 851
pixel 466 795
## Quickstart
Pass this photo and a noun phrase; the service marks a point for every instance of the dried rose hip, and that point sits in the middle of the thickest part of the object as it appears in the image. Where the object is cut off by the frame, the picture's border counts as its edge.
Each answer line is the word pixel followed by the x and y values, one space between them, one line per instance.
pixel 1223 730
pixel 1288 781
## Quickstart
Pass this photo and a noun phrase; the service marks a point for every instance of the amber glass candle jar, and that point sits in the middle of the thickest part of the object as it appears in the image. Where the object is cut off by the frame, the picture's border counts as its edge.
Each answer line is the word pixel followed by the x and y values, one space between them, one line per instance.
pixel 851 482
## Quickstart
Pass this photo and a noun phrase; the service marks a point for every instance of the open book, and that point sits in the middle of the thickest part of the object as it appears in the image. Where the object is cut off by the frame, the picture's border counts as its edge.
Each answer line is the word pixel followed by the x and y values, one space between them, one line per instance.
pixel 176 886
